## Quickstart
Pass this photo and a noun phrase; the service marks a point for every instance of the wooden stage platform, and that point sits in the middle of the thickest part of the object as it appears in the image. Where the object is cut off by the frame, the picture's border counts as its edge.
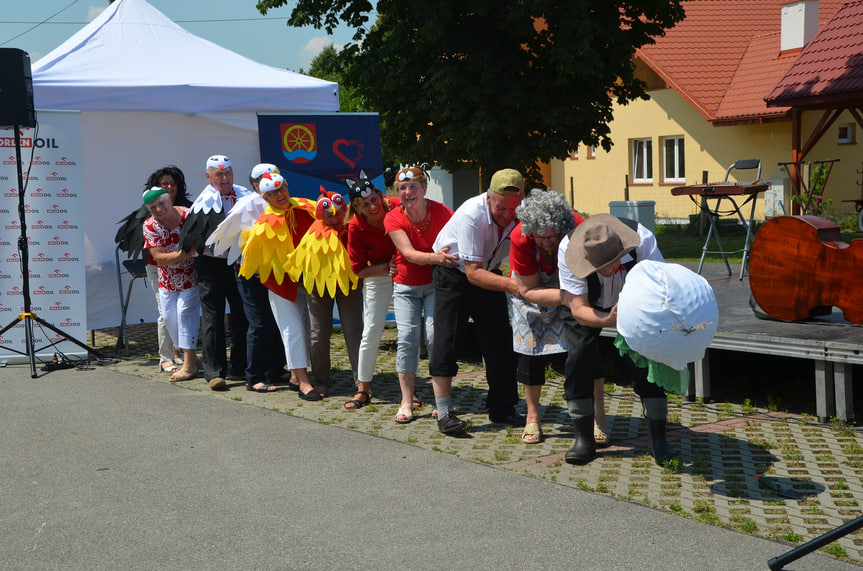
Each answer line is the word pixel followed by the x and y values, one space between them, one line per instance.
pixel 833 344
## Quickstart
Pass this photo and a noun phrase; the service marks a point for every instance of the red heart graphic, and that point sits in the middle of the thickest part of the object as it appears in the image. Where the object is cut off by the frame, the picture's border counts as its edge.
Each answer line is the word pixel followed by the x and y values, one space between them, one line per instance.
pixel 352 153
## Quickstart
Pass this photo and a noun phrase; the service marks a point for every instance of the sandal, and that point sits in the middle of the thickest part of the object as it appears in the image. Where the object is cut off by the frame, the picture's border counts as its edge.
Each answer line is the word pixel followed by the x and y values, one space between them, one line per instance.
pixel 262 388
pixel 405 414
pixel 184 375
pixel 417 403
pixel 168 367
pixel 600 435
pixel 357 403
pixel 532 433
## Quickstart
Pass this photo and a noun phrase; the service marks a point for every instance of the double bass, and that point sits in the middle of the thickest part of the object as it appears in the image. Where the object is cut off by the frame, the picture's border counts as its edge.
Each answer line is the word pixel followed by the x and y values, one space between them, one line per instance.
pixel 800 268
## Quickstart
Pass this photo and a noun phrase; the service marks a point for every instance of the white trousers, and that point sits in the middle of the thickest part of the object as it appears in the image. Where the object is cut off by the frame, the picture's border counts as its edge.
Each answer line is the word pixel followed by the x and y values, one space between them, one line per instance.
pixel 166 346
pixel 377 299
pixel 181 311
pixel 291 318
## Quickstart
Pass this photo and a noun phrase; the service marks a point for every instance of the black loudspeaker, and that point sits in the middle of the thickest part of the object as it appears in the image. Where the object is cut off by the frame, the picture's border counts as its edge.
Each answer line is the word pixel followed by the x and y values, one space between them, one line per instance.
pixel 16 89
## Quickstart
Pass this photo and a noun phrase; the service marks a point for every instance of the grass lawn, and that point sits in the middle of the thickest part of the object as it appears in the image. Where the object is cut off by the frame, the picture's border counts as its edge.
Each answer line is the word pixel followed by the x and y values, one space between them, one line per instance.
pixel 684 244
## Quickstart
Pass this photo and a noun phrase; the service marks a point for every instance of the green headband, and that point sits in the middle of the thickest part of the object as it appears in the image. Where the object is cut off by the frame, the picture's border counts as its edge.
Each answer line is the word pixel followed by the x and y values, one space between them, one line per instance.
pixel 153 194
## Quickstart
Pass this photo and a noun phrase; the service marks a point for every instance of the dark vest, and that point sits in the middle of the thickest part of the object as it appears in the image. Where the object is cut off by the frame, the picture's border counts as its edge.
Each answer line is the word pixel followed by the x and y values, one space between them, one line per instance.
pixel 594 288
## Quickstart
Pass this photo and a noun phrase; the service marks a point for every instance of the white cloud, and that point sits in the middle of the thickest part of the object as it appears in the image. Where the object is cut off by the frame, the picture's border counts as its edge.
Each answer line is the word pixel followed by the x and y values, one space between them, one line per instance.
pixel 313 47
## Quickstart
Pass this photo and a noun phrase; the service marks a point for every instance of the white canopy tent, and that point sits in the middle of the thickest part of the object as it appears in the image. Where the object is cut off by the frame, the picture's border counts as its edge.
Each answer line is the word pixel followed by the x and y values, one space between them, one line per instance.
pixel 152 94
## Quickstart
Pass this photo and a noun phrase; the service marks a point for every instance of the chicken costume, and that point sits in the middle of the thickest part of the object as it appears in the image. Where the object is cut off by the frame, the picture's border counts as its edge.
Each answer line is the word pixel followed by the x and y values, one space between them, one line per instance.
pixel 271 241
pixel 321 260
pixel 266 247
pixel 321 256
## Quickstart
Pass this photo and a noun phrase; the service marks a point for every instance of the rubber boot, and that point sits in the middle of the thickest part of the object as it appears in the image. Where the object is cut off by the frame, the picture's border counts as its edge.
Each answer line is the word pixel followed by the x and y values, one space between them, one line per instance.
pixel 656 415
pixel 584 448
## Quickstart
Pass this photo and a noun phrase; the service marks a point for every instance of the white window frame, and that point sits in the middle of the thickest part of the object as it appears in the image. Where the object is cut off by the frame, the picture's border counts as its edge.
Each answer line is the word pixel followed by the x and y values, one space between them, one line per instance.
pixel 642 161
pixel 679 174
pixel 846 134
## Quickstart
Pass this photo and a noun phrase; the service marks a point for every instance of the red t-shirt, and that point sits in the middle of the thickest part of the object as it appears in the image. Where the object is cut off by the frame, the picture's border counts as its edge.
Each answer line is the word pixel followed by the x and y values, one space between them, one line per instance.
pixel 367 245
pixel 408 273
pixel 523 258
pixel 176 277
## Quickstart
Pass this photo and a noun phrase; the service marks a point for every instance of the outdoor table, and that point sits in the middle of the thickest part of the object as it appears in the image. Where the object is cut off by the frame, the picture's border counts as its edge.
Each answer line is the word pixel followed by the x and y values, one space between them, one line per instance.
pixel 716 193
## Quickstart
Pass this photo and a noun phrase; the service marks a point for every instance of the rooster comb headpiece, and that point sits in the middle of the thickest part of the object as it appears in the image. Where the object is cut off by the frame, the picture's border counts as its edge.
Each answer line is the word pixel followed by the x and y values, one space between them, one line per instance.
pixel 328 202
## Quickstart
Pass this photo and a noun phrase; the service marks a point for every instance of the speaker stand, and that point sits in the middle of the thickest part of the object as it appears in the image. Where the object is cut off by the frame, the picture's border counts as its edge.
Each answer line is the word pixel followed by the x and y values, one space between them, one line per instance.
pixel 28 317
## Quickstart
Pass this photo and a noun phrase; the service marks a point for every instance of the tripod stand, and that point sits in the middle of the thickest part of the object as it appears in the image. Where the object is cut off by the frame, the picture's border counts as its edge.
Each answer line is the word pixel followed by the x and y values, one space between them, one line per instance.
pixel 28 317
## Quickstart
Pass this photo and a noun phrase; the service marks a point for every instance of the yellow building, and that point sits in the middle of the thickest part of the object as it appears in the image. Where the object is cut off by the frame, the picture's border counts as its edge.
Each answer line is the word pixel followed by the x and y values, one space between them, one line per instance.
pixel 707 80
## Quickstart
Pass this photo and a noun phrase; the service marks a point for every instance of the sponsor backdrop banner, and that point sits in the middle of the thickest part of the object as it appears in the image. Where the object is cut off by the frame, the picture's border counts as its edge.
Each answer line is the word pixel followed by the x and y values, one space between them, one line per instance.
pixel 322 149
pixel 53 214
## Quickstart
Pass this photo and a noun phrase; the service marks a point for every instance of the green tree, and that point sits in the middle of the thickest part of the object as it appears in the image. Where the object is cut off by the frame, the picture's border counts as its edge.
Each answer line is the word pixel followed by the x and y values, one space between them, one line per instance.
pixel 332 65
pixel 492 83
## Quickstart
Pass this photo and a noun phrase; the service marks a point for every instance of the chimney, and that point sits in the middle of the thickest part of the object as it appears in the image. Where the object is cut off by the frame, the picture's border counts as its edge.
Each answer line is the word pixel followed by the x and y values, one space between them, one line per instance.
pixel 799 24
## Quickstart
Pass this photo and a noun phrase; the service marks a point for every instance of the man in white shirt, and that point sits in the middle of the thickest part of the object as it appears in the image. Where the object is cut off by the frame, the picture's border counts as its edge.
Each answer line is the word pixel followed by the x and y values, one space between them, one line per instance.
pixel 593 263
pixel 478 233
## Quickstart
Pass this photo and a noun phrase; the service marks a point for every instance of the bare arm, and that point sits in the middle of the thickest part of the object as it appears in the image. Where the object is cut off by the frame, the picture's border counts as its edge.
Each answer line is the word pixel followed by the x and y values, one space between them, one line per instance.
pixel 373 270
pixel 531 291
pixel 414 256
pixel 163 258
pixel 588 316
pixel 480 277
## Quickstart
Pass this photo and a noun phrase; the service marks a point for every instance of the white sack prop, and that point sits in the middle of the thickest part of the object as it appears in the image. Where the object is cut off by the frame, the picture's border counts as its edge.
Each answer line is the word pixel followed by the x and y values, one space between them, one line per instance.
pixel 667 313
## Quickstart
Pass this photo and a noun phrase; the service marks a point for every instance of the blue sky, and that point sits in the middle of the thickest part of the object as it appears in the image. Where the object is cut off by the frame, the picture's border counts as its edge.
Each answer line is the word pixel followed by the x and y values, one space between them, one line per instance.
pixel 233 24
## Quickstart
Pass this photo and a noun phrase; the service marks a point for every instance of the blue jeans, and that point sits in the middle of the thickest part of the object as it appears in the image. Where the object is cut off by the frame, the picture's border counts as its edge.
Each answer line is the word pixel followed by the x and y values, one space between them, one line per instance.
pixel 412 305
pixel 265 355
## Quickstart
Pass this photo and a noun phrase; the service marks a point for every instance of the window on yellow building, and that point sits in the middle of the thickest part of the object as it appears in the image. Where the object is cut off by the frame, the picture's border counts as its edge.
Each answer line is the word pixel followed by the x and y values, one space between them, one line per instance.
pixel 591 152
pixel 673 160
pixel 642 161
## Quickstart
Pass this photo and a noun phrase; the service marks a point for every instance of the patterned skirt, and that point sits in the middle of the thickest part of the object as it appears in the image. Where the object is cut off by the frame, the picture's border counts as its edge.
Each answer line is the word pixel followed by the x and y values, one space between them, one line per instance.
pixel 536 330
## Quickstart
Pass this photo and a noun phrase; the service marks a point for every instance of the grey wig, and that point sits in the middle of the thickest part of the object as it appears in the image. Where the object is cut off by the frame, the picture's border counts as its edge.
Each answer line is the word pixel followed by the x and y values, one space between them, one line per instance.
pixel 545 209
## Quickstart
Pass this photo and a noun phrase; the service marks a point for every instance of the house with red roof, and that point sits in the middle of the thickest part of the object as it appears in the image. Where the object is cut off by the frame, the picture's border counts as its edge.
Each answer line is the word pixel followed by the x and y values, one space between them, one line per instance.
pixel 710 80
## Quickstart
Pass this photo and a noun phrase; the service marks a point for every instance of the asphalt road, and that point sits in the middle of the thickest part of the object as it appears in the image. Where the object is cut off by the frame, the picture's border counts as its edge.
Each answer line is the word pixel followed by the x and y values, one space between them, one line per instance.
pixel 102 470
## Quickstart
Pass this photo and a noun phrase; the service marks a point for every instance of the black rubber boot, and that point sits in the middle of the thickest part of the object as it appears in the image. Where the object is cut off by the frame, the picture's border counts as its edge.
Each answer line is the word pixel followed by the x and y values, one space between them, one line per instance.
pixel 584 448
pixel 656 415
pixel 657 445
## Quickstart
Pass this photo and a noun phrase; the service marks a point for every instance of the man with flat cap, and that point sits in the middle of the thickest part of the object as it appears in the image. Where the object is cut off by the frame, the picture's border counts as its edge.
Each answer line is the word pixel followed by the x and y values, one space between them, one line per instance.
pixel 593 263
pixel 477 240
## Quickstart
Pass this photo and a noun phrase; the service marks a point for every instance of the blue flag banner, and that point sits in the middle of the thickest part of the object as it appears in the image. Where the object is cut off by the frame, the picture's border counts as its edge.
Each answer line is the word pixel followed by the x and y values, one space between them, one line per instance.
pixel 322 149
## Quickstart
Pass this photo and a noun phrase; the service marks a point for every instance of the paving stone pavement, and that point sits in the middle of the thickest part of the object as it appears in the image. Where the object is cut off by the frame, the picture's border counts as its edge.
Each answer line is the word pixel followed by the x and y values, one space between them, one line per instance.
pixel 724 446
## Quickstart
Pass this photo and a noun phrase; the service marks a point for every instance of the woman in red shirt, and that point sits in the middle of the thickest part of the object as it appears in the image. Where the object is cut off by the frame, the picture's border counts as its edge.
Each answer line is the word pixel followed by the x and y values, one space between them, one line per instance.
pixel 372 256
pixel 413 227
pixel 537 325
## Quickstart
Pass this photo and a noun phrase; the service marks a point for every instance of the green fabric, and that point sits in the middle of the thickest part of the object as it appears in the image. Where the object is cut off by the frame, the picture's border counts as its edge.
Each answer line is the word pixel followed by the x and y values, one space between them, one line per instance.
pixel 657 373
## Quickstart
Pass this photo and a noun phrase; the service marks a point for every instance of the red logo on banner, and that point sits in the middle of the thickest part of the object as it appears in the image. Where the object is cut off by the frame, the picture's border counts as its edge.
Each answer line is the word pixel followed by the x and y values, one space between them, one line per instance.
pixel 299 142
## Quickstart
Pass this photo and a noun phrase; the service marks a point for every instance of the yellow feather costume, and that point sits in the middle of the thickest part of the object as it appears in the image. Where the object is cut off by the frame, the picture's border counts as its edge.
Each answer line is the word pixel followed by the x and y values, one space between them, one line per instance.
pixel 270 242
pixel 323 261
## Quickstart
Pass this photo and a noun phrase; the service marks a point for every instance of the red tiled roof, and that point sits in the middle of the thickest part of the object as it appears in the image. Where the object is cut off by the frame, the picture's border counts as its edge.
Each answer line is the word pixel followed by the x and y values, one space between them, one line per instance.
pixel 830 67
pixel 761 65
pixel 723 53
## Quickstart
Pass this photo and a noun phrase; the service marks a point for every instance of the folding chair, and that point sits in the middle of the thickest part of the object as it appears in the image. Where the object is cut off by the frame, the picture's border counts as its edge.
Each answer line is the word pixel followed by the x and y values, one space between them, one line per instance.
pixel 136 268
pixel 715 212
